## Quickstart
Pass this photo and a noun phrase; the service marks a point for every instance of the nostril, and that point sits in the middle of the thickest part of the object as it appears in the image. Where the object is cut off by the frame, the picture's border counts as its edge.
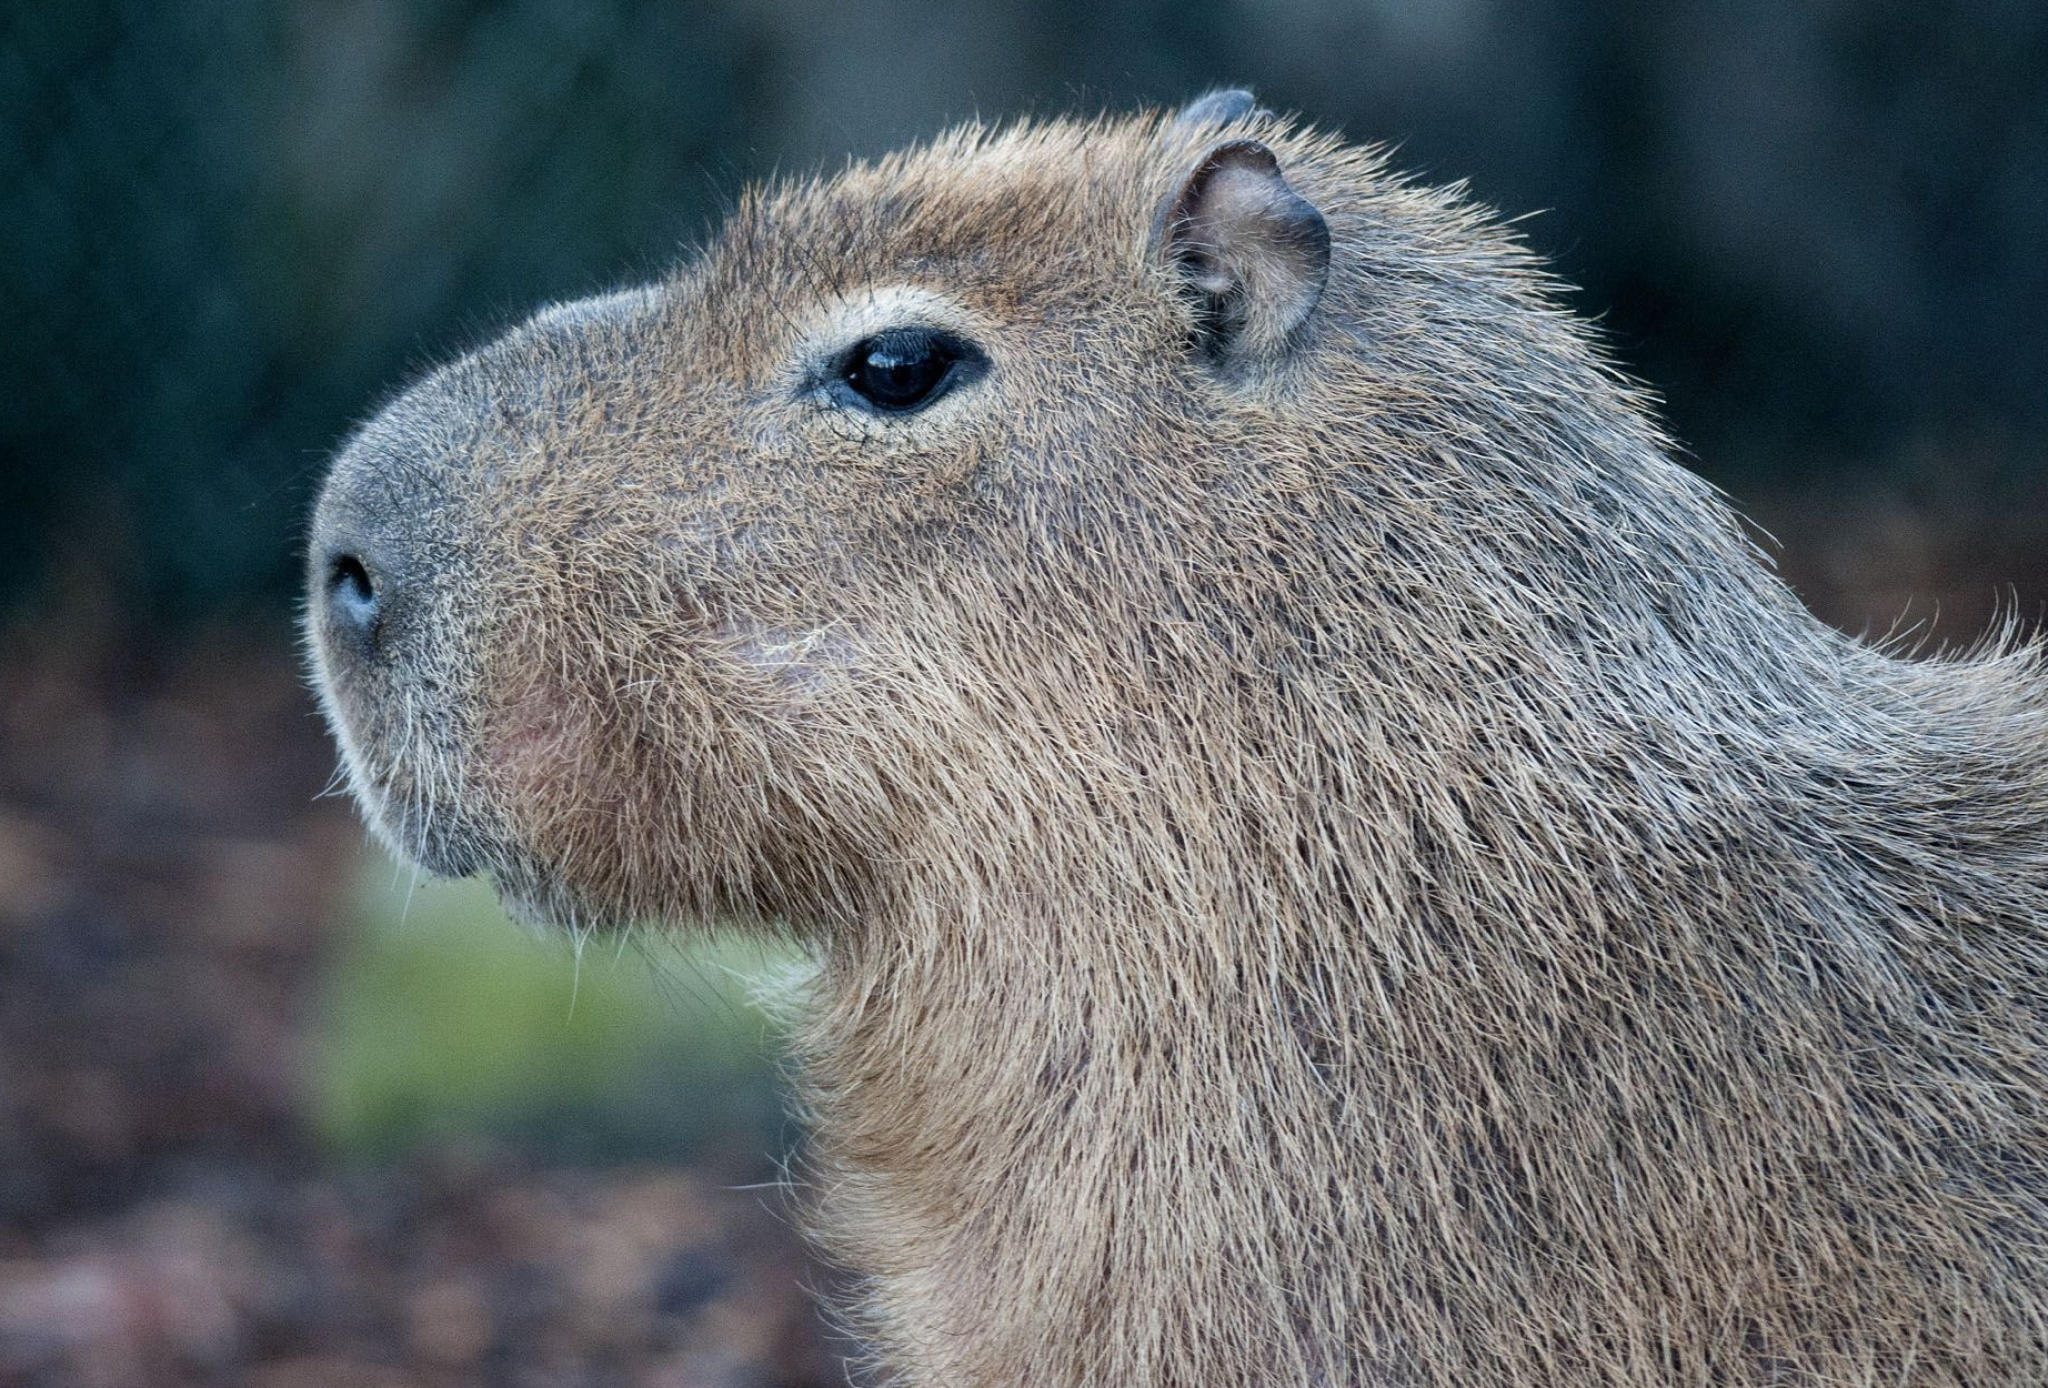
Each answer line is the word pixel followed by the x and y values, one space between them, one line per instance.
pixel 351 593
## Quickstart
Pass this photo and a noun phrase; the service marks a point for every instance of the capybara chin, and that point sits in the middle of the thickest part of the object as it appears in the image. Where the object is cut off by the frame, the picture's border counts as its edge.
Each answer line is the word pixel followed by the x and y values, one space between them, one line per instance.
pixel 1332 861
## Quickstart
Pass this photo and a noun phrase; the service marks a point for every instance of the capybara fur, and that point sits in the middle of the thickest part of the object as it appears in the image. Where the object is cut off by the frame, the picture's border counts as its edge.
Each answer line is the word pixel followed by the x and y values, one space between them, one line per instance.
pixel 1331 858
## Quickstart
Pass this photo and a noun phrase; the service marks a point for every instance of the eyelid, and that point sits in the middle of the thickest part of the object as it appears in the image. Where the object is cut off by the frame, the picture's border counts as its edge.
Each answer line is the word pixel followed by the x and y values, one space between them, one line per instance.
pixel 960 347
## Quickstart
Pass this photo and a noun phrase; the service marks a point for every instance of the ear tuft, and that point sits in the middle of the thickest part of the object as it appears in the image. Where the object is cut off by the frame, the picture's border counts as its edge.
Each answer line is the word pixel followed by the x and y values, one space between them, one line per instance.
pixel 1220 107
pixel 1253 252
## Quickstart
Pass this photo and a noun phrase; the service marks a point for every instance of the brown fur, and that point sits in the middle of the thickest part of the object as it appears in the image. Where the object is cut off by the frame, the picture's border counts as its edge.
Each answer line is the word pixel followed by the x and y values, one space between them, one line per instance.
pixel 1351 872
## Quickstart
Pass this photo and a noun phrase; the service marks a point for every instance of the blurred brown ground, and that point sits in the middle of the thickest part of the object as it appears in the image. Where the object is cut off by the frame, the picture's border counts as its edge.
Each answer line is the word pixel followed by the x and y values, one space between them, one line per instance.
pixel 1937 551
pixel 169 889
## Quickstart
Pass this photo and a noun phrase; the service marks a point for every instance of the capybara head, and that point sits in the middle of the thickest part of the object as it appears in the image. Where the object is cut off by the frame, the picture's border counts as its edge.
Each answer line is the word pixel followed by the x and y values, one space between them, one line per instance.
pixel 1003 483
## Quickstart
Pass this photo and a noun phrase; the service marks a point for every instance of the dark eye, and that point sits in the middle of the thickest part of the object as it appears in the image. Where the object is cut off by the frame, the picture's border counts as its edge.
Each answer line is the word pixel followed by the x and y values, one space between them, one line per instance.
pixel 906 368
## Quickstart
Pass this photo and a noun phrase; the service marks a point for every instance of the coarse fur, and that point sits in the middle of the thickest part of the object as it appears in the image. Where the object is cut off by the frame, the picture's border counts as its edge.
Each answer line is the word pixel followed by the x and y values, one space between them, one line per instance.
pixel 1340 868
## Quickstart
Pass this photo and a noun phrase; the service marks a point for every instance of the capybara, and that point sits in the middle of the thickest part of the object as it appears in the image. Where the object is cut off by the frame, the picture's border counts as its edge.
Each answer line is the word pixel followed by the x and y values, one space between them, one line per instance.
pixel 1331 858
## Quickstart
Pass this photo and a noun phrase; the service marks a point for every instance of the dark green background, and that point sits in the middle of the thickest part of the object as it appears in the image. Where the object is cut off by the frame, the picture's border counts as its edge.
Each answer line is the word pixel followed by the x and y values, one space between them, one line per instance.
pixel 228 229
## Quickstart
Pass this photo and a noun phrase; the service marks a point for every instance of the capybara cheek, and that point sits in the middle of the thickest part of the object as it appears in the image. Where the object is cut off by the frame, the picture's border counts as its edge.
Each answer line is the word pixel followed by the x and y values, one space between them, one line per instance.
pixel 538 753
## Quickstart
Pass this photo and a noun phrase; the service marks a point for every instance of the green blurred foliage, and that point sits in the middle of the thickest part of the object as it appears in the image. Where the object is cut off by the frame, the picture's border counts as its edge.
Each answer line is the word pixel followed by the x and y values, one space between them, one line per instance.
pixel 441 1022
pixel 227 230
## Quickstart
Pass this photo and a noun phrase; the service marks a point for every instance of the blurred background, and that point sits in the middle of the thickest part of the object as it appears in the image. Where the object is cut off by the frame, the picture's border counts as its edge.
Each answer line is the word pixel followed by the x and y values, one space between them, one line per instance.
pixel 273 1113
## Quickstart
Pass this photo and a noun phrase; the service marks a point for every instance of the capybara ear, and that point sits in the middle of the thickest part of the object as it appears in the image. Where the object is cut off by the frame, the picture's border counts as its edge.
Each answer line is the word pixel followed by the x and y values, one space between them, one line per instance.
pixel 1253 252
pixel 1219 107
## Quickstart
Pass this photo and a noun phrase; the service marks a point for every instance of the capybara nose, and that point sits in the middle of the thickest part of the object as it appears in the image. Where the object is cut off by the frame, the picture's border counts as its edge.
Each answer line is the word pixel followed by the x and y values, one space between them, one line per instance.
pixel 358 596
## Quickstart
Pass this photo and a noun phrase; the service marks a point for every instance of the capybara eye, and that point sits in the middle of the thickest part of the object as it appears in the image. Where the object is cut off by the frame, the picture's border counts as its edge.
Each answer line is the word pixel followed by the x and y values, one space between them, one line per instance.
pixel 905 369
